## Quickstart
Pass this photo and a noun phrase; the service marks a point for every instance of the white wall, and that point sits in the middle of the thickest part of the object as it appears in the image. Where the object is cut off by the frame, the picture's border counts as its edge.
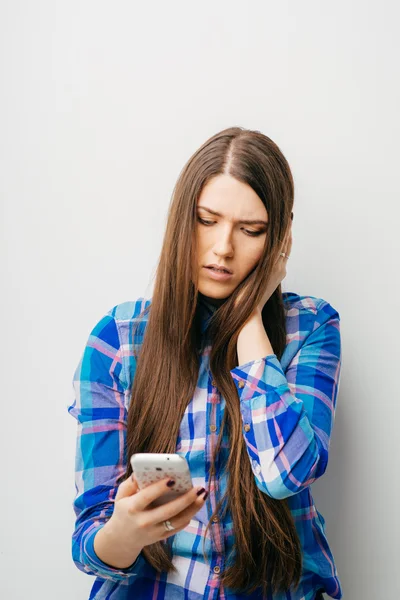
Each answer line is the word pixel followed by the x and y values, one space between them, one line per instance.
pixel 101 105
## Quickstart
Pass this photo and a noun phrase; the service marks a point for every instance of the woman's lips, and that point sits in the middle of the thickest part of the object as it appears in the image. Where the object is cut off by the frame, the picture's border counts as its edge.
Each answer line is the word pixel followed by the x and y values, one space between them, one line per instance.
pixel 218 275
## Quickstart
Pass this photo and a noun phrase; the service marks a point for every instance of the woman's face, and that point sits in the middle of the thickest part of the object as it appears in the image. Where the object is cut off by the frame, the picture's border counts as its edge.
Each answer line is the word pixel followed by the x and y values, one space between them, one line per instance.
pixel 225 239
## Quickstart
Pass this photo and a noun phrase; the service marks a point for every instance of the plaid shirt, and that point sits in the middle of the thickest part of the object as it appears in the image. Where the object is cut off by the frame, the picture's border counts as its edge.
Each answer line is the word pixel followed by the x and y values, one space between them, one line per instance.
pixel 287 407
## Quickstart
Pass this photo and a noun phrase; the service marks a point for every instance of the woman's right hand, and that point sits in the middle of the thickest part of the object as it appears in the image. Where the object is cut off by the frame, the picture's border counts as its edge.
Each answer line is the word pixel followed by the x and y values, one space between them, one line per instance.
pixel 135 524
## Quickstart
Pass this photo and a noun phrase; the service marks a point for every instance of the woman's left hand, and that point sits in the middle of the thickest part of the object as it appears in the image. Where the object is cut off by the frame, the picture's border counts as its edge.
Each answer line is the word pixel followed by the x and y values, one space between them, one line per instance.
pixel 278 273
pixel 279 270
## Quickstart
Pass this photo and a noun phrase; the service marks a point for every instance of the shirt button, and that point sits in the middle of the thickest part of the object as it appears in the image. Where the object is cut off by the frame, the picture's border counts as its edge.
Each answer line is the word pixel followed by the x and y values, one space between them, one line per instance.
pixel 217 569
pixel 247 427
pixel 215 519
pixel 213 428
pixel 241 384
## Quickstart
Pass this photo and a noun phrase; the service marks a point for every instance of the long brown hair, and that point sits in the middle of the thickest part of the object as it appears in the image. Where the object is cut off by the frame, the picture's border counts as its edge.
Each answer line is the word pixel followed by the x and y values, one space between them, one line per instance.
pixel 267 550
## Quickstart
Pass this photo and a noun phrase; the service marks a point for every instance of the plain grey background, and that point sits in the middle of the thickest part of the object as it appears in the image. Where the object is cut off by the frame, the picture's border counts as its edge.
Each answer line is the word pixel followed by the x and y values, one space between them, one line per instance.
pixel 102 103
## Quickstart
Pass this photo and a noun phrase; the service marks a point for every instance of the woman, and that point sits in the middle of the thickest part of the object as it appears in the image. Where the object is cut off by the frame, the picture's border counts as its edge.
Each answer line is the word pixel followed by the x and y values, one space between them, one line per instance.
pixel 233 374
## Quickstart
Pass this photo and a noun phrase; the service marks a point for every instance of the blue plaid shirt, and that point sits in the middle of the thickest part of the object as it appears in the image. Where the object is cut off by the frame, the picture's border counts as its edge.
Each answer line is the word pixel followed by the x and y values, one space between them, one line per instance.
pixel 287 408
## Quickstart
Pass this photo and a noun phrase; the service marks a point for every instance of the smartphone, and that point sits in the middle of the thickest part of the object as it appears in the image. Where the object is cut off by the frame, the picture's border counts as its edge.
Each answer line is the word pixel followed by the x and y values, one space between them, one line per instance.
pixel 149 467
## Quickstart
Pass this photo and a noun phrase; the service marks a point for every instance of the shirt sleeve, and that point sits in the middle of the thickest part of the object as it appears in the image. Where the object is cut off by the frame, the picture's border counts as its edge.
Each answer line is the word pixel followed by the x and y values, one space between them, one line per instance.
pixel 288 417
pixel 100 410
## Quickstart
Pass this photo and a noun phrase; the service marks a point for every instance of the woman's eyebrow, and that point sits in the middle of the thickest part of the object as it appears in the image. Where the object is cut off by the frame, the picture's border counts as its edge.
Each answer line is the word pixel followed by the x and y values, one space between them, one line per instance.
pixel 244 221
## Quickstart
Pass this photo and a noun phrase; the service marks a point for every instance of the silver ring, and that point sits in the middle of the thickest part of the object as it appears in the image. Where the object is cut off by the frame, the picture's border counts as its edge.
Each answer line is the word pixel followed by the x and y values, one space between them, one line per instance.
pixel 284 255
pixel 168 526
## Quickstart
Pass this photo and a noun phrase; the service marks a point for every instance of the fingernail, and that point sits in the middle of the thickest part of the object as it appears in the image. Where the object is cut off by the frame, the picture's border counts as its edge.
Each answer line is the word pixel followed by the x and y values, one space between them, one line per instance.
pixel 291 216
pixel 200 491
pixel 205 496
pixel 170 482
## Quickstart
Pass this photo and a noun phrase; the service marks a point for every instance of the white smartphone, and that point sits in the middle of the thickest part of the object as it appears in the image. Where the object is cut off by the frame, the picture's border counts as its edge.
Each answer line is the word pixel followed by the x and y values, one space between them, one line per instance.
pixel 149 467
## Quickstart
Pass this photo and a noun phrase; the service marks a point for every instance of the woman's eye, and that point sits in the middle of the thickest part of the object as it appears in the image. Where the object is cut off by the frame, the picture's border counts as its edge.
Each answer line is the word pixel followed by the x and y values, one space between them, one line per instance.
pixel 251 233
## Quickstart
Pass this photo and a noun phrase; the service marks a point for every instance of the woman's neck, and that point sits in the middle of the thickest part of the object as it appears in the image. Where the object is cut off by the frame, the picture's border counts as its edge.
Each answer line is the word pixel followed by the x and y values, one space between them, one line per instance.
pixel 215 302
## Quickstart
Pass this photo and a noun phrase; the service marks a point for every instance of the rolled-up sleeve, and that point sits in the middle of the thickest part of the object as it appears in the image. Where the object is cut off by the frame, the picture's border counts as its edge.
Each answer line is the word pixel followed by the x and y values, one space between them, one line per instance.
pixel 288 416
pixel 100 408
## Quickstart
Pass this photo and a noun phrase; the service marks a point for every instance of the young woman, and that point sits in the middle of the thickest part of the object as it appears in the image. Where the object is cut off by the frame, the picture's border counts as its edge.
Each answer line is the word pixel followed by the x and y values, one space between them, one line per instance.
pixel 226 370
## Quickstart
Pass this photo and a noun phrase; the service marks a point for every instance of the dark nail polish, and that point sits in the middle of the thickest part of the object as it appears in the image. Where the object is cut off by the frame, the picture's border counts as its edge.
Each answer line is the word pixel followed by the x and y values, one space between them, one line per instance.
pixel 170 482
pixel 205 496
pixel 201 491
pixel 291 216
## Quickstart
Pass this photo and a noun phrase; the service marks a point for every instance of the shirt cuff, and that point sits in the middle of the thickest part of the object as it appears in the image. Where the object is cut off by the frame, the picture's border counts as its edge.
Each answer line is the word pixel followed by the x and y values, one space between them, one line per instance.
pixel 258 377
pixel 101 568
